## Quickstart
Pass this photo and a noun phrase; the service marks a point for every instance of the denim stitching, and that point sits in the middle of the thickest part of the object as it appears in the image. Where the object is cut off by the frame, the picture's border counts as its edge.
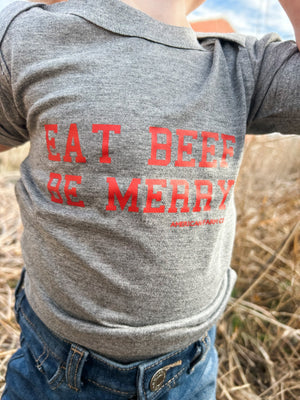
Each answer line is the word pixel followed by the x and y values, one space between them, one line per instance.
pixel 78 362
pixel 68 373
pixel 166 384
pixel 45 351
pixel 52 333
pixel 166 358
pixel 41 339
pixel 131 368
pixel 108 388
pixel 112 366
pixel 174 377
pixel 53 380
pixel 40 364
pixel 74 350
pixel 59 382
pixel 158 362
pixel 76 370
pixel 95 357
pixel 73 388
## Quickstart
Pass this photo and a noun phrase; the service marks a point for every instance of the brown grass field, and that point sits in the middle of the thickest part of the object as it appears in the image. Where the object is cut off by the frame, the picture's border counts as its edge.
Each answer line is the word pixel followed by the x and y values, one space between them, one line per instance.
pixel 258 337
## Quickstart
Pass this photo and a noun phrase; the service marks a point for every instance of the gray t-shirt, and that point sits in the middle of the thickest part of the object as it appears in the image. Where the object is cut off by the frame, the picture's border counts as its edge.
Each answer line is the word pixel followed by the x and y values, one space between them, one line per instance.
pixel 137 131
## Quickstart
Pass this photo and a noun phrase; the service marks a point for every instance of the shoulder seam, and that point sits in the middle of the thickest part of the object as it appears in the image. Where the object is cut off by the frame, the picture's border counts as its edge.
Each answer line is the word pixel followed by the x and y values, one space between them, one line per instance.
pixel 8 15
pixel 11 12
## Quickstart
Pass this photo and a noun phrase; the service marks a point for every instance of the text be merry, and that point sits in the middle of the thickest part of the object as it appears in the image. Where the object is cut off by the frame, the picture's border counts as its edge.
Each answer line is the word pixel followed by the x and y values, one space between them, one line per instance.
pixel 160 154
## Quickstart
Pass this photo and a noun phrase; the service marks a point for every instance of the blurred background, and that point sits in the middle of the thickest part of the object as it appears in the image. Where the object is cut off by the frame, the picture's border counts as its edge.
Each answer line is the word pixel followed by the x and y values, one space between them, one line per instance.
pixel 254 17
pixel 259 336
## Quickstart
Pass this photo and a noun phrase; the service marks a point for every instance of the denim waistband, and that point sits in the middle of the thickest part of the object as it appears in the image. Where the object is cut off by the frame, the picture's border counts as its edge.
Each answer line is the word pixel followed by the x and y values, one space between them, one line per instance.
pixel 68 363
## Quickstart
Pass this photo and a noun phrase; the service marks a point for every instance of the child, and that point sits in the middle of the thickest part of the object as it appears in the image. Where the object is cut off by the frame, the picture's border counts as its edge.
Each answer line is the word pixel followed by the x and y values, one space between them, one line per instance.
pixel 137 128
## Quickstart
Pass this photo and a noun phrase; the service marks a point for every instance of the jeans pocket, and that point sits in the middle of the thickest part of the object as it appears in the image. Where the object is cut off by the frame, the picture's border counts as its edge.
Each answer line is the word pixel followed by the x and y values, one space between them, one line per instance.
pixel 39 354
pixel 26 379
pixel 53 371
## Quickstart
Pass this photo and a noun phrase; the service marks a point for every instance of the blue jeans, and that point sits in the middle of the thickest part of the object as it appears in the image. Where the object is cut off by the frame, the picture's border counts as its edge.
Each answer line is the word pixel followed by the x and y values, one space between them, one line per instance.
pixel 47 367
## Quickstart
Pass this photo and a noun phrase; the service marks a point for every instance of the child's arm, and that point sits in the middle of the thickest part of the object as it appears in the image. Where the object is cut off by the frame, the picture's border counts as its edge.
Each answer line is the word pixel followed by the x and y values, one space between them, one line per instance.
pixel 292 8
pixel 275 101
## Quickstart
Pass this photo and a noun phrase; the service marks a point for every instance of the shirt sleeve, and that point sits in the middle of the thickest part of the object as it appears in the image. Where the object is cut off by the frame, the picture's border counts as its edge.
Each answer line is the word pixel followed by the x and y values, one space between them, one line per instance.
pixel 275 104
pixel 13 130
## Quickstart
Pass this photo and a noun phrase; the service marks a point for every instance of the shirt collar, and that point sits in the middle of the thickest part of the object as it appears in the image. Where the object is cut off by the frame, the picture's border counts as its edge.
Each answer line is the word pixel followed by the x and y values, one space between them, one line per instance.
pixel 118 17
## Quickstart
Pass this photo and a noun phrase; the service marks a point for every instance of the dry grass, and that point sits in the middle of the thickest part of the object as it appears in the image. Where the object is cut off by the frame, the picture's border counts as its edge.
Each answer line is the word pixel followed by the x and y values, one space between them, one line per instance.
pixel 10 256
pixel 258 337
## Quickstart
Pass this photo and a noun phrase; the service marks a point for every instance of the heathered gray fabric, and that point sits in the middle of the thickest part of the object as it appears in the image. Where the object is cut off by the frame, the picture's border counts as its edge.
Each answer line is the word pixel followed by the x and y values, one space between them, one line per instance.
pixel 132 257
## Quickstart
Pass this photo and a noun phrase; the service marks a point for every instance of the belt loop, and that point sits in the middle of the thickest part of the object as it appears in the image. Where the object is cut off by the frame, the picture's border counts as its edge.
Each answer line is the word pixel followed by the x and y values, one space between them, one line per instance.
pixel 75 363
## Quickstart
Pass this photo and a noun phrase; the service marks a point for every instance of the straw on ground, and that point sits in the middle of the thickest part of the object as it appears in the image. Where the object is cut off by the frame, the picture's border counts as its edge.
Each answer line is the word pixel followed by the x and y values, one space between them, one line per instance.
pixel 258 337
